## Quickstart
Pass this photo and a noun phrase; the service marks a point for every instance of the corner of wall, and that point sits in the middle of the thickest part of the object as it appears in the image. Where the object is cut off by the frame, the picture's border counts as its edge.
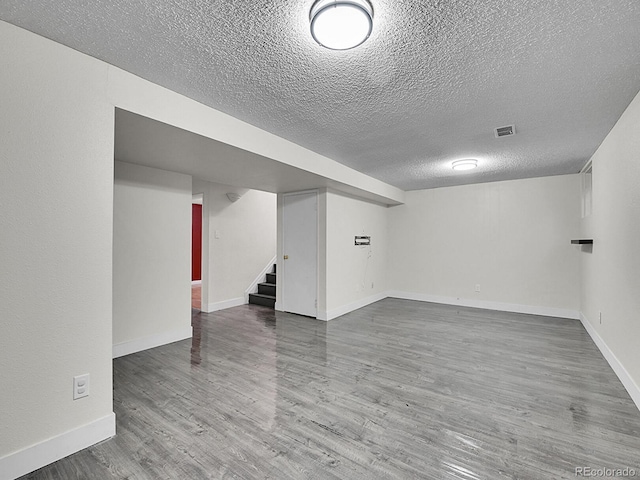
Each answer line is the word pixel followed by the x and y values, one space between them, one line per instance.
pixel 625 378
pixel 151 341
pixel 327 315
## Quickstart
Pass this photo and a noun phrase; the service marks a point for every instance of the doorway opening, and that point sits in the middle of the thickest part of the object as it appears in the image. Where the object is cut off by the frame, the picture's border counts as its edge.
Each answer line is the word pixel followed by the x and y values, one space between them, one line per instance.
pixel 196 252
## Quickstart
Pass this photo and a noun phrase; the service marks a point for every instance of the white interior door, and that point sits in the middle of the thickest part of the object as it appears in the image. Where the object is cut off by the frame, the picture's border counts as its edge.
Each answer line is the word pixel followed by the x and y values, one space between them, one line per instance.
pixel 300 250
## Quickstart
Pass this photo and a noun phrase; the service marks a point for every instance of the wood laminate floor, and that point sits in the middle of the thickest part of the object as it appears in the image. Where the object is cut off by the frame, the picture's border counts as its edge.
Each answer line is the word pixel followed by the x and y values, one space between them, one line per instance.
pixel 399 389
pixel 196 297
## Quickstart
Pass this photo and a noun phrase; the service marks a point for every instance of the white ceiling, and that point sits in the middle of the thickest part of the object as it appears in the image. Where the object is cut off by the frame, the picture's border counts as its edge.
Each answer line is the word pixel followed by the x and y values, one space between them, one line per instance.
pixel 428 87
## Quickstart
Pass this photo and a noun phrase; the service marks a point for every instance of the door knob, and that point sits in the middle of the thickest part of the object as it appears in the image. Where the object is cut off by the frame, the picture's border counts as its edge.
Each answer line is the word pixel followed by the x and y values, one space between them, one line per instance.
pixel 286 257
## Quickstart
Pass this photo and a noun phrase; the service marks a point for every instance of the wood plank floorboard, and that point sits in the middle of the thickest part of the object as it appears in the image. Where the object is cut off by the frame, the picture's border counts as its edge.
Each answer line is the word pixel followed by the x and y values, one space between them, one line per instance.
pixel 196 297
pixel 399 390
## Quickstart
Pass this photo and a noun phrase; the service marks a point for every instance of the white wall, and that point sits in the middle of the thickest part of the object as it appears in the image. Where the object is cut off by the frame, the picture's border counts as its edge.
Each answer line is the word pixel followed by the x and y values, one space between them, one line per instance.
pixel 512 238
pixel 151 258
pixel 56 208
pixel 239 239
pixel 56 188
pixel 355 275
pixel 611 269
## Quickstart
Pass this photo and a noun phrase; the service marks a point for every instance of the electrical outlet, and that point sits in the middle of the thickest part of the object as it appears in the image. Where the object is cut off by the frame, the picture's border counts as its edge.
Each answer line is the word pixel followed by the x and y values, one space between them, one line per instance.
pixel 477 287
pixel 81 386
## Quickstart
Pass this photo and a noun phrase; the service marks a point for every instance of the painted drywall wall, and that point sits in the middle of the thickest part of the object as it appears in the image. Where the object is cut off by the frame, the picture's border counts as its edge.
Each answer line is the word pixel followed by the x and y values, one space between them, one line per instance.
pixel 56 189
pixel 355 275
pixel 610 269
pixel 151 257
pixel 240 240
pixel 511 238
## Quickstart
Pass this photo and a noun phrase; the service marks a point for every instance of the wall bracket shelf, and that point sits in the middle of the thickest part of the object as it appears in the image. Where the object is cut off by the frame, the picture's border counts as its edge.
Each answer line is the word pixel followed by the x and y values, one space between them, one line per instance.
pixel 582 241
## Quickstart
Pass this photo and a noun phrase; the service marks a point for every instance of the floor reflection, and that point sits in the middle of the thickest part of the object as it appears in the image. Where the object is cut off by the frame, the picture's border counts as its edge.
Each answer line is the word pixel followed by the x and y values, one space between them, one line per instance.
pixel 196 340
pixel 398 390
pixel 196 297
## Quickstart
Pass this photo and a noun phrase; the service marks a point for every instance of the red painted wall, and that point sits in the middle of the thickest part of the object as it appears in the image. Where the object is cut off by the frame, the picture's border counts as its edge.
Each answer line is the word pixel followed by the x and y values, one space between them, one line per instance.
pixel 196 242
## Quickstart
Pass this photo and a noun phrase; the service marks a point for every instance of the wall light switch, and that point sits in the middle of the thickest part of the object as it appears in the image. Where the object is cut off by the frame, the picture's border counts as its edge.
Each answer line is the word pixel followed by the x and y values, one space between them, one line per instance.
pixel 477 287
pixel 81 386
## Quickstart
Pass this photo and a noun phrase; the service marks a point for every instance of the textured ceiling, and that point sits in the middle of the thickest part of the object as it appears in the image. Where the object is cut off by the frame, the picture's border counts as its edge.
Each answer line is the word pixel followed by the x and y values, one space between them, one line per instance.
pixel 427 88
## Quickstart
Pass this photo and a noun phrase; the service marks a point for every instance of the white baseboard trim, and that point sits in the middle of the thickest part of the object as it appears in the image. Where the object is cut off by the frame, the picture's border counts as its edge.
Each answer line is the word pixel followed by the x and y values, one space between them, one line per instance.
pixel 253 288
pixel 350 307
pixel 234 302
pixel 53 449
pixel 488 305
pixel 196 282
pixel 618 368
pixel 152 341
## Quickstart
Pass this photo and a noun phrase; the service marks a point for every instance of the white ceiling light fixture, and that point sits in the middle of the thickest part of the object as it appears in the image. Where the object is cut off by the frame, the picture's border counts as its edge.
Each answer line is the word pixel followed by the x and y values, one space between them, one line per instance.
pixel 234 196
pixel 341 24
pixel 466 164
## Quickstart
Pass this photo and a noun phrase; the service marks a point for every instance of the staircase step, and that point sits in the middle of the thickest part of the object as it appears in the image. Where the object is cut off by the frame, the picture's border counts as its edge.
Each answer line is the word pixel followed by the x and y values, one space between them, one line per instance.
pixel 267 289
pixel 271 278
pixel 261 299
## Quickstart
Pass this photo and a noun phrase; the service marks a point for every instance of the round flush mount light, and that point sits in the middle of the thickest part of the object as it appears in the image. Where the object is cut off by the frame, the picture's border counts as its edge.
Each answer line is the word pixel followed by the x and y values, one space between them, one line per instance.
pixel 341 24
pixel 466 164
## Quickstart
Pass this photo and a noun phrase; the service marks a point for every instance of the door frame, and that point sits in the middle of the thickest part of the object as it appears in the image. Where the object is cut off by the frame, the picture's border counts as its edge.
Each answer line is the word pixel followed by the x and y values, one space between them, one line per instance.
pixel 204 245
pixel 280 246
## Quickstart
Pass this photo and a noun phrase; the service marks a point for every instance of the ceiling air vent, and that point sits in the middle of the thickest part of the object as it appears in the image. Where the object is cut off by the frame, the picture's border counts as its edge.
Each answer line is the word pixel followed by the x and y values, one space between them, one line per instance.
pixel 505 131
